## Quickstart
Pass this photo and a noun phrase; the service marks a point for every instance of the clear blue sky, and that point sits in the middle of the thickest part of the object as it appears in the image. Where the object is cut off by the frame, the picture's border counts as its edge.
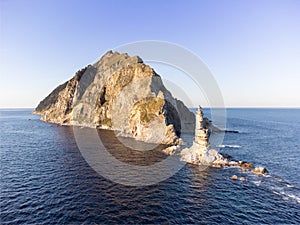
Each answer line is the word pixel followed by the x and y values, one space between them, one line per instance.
pixel 251 46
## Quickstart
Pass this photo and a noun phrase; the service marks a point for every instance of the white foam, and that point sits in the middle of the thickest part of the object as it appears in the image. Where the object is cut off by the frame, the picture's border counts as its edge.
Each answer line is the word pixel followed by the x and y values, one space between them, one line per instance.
pixel 257 183
pixel 286 191
pixel 228 146
pixel 297 198
pixel 291 196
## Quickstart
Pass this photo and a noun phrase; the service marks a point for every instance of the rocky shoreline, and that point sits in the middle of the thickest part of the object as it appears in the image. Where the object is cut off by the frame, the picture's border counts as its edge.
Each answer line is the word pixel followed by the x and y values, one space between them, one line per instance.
pixel 200 153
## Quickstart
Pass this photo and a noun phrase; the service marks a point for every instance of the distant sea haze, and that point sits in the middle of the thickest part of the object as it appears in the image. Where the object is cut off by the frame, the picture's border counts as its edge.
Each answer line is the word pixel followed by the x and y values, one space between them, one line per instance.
pixel 45 180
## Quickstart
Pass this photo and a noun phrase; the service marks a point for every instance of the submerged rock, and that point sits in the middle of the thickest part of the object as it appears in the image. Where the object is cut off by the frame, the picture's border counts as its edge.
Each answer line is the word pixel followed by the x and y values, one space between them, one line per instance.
pixel 235 177
pixel 121 93
pixel 242 179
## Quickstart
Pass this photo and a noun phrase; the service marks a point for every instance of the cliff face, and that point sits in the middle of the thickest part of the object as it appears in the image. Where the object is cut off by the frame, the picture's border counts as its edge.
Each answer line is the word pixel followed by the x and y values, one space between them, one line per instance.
pixel 121 93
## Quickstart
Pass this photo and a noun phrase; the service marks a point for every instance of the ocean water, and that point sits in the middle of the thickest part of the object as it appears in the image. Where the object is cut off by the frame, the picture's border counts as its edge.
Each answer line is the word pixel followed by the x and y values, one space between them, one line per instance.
pixel 45 179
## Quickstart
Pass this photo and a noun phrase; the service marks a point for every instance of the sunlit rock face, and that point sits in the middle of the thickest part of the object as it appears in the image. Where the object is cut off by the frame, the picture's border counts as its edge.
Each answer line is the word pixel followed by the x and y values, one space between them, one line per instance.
pixel 121 93
pixel 200 152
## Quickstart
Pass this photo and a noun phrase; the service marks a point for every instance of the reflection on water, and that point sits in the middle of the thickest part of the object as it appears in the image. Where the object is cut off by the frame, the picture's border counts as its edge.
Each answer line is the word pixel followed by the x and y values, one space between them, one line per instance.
pixel 117 146
pixel 97 155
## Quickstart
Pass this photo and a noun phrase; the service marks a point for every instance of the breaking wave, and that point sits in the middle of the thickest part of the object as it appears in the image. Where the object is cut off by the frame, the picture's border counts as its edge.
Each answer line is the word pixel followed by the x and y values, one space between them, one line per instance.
pixel 278 186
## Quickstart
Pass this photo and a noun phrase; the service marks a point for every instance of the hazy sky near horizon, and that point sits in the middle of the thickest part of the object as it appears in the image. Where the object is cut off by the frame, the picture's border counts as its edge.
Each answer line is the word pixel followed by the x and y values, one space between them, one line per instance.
pixel 252 47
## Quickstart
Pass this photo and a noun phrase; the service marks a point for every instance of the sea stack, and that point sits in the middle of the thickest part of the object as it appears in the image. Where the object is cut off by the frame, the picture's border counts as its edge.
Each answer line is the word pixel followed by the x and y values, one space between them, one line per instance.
pixel 200 152
pixel 201 134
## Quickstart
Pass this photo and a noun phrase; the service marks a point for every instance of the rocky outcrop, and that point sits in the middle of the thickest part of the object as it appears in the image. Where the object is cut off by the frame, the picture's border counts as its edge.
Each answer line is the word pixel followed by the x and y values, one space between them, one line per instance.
pixel 260 171
pixel 200 152
pixel 214 129
pixel 171 150
pixel 121 93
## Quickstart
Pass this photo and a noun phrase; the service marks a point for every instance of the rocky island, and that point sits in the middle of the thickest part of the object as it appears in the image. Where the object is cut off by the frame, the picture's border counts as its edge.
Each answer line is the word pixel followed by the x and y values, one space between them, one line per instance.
pixel 123 94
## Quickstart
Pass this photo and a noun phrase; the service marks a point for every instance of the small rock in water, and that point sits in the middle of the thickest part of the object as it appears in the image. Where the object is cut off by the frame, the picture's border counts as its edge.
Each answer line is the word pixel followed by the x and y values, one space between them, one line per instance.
pixel 242 179
pixel 171 150
pixel 234 177
pixel 260 171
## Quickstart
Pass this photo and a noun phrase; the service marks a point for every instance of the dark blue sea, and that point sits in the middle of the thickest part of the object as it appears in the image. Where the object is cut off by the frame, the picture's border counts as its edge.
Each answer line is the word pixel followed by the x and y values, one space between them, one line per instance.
pixel 45 179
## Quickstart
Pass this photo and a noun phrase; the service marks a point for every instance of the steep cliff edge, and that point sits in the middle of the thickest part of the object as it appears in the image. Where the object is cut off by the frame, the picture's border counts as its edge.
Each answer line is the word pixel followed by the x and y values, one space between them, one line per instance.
pixel 121 93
